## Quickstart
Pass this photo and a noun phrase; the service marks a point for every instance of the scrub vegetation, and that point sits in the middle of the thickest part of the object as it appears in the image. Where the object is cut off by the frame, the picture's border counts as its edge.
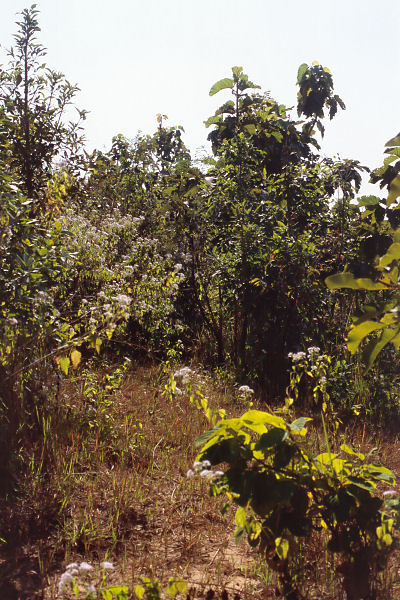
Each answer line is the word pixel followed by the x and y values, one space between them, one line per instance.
pixel 199 359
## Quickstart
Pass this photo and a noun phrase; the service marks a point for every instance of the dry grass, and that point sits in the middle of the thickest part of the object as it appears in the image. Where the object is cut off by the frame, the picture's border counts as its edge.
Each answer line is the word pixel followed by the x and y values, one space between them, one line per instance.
pixel 115 486
pixel 108 482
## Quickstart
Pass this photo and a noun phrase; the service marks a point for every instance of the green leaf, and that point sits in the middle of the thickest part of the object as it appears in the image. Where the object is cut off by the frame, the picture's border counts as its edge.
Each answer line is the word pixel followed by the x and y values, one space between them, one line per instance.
pixel 277 135
pixel 275 436
pixel 176 586
pixel 282 547
pixel 394 141
pixel 352 452
pixel 299 424
pixel 241 517
pixel 375 346
pixel 222 84
pixel 394 190
pixel 364 484
pixel 75 358
pixel 206 436
pixel 393 253
pixel 117 592
pixel 250 128
pixel 368 200
pixel 325 458
pixel 359 332
pixel 253 86
pixel 214 120
pixel 139 591
pixel 347 280
pixel 64 363
pixel 259 417
pixel 301 71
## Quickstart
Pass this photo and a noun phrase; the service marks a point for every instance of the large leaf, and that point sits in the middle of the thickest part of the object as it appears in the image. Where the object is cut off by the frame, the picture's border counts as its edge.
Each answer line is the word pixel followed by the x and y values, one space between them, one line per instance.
pixel 214 120
pixel 393 253
pixel 394 141
pixel 259 417
pixel 358 333
pixel 394 190
pixel 368 200
pixel 347 280
pixel 275 436
pixel 251 128
pixel 206 436
pixel 76 358
pixel 222 84
pixel 300 73
pixel 373 348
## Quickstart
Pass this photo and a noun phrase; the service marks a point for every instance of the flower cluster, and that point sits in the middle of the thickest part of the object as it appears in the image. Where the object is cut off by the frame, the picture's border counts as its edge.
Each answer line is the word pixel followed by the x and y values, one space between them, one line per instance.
pixel 203 468
pixel 113 249
pixel 183 375
pixel 245 391
pixel 313 351
pixel 297 356
pixel 74 571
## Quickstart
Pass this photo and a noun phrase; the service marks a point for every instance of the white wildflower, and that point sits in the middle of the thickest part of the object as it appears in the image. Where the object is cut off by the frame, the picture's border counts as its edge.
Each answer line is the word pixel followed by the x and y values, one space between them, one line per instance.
pixel 91 590
pixel 218 473
pixel 205 473
pixel 73 565
pixel 13 321
pixel 313 350
pixel 190 473
pixel 184 375
pixel 85 567
pixel 297 356
pixel 65 579
pixel 122 299
pixel 108 566
pixel 389 493
pixel 201 465
pixel 245 390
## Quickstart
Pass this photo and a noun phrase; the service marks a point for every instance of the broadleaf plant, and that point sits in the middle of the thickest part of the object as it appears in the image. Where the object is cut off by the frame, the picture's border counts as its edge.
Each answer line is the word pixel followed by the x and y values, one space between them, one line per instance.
pixel 285 492
pixel 382 316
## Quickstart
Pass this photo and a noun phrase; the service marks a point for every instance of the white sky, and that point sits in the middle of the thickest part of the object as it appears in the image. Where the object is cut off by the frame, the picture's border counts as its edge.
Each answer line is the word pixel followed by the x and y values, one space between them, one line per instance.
pixel 135 58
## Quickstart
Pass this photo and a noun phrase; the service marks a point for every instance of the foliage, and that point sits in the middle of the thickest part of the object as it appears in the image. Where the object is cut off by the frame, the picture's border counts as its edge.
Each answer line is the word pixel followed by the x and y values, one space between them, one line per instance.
pixel 33 104
pixel 284 492
pixel 269 231
pixel 141 251
pixel 381 315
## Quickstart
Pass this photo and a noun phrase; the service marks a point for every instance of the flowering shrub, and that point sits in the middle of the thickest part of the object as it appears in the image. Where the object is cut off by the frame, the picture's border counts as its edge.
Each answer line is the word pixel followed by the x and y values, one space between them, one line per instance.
pixel 113 255
pixel 315 367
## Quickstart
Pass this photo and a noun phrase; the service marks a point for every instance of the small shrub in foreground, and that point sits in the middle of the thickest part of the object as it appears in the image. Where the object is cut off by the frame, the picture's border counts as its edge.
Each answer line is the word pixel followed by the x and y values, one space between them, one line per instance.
pixel 285 493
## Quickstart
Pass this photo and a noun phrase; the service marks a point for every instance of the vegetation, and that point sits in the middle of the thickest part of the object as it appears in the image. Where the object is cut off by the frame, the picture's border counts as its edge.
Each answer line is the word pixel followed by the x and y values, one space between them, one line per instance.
pixel 259 266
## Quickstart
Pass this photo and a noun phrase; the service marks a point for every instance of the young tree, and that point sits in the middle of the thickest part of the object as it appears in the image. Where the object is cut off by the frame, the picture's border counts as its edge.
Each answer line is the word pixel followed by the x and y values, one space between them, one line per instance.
pixel 33 104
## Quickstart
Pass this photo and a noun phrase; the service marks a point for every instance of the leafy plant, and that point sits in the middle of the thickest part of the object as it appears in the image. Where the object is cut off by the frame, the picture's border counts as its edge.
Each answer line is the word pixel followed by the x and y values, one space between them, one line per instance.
pixel 284 492
pixel 382 316
pixel 33 105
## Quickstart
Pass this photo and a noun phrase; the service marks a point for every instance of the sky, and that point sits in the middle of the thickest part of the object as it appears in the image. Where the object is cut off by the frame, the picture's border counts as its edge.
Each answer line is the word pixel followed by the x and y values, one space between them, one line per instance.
pixel 133 59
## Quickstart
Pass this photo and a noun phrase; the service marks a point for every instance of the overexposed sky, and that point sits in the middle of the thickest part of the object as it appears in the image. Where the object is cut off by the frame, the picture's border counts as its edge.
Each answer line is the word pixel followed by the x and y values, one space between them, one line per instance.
pixel 135 58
